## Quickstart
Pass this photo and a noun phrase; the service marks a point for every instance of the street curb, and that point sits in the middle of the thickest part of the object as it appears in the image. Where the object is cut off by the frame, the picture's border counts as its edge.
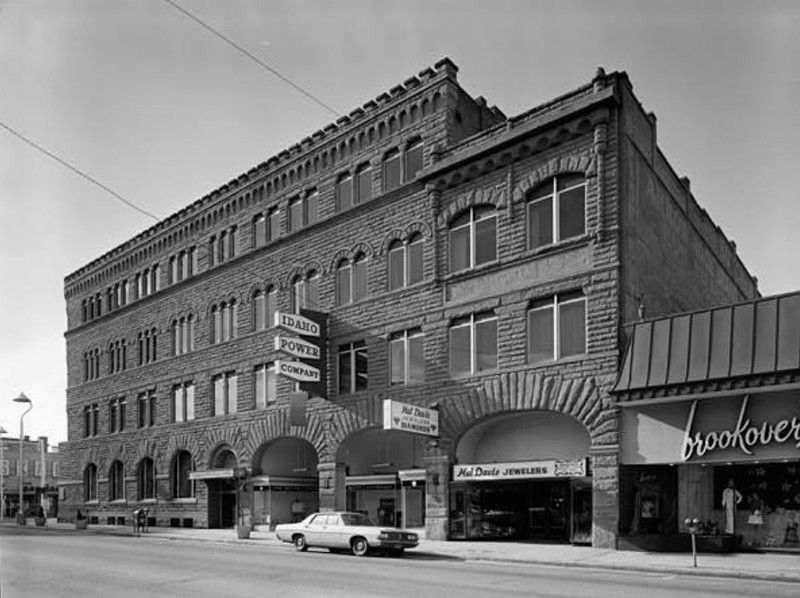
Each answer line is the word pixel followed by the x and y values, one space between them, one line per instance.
pixel 696 572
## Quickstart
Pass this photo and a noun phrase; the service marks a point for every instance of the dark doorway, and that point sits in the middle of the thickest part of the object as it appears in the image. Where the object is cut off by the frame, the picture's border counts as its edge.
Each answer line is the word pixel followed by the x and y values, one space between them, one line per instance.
pixel 221 504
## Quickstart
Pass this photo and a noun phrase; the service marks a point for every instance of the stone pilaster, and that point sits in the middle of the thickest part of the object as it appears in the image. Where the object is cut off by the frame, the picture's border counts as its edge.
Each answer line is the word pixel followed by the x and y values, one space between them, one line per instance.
pixel 331 486
pixel 437 495
pixel 605 497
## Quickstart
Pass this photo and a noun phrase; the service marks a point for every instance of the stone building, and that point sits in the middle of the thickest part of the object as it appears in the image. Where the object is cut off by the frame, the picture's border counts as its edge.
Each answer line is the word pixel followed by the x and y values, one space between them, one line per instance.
pixel 40 475
pixel 477 267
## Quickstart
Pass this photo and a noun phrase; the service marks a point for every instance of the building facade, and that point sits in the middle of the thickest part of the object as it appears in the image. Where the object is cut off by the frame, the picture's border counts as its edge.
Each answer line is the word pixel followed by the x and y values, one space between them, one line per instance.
pixel 710 427
pixel 475 267
pixel 41 471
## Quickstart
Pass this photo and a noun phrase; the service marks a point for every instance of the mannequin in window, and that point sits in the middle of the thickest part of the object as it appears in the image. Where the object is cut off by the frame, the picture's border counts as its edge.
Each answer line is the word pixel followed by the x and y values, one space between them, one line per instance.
pixel 730 498
pixel 756 518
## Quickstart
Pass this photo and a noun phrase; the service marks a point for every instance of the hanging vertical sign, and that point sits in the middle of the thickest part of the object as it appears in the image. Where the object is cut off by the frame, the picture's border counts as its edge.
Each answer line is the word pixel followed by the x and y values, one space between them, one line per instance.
pixel 307 342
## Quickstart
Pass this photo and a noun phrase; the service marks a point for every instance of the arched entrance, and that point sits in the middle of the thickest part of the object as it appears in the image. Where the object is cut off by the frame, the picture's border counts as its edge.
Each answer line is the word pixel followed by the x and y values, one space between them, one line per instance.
pixel 285 481
pixel 523 476
pixel 384 476
pixel 222 489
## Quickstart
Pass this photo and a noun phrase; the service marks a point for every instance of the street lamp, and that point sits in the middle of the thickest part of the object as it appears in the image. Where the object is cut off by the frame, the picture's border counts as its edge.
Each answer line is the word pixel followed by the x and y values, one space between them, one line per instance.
pixel 2 473
pixel 22 399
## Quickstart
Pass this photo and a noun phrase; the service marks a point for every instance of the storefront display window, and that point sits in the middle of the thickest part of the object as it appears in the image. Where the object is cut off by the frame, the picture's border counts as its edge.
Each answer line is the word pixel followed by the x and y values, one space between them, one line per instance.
pixel 649 501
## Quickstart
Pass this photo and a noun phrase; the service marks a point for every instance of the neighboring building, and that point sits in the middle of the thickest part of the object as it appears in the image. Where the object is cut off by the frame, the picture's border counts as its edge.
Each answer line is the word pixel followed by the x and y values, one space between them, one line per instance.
pixel 462 261
pixel 710 418
pixel 40 476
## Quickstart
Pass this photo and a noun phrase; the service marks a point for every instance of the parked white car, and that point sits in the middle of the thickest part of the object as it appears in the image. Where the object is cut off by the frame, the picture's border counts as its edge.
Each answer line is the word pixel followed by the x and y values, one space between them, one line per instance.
pixel 346 531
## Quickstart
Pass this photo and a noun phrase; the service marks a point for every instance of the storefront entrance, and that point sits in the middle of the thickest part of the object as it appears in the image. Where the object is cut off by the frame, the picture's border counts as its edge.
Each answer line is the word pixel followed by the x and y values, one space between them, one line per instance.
pixel 221 504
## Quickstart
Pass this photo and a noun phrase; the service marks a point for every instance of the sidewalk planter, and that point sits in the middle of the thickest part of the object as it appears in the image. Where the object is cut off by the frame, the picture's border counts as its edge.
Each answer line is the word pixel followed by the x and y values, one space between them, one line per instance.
pixel 81 523
pixel 40 521
pixel 243 532
pixel 719 543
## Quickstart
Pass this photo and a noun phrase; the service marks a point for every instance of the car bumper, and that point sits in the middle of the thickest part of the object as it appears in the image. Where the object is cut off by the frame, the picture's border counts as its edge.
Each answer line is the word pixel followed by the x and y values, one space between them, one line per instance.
pixel 395 544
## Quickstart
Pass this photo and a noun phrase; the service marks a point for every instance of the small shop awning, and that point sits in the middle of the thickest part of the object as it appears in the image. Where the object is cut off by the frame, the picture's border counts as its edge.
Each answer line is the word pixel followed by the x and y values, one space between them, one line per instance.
pixel 737 346
pixel 275 481
pixel 383 480
pixel 411 475
pixel 212 474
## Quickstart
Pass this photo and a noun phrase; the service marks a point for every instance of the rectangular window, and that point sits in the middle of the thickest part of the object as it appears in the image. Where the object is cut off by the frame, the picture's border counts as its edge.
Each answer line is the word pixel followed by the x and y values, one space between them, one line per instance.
pixel 364 183
pixel 391 170
pixel 259 230
pixel 312 208
pixel 353 370
pixel 397 255
pixel 225 393
pixel 557 211
pixel 265 385
pixel 274 224
pixel 147 409
pixel 295 214
pixel 413 161
pixel 183 402
pixel 473 344
pixel 557 327
pixel 360 279
pixel 343 285
pixel 344 193
pixel 406 357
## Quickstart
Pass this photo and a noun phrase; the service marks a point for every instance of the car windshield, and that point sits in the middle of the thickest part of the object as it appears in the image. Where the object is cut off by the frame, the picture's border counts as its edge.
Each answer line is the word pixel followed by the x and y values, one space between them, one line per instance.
pixel 356 519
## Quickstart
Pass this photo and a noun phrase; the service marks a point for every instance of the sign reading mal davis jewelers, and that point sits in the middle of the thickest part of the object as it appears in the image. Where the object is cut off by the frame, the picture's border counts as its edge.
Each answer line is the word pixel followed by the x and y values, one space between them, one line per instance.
pixel 410 418
pixel 520 470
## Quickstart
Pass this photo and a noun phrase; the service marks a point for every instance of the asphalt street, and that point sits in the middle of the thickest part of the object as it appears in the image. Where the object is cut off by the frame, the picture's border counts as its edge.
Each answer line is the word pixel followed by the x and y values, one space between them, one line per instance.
pixel 73 565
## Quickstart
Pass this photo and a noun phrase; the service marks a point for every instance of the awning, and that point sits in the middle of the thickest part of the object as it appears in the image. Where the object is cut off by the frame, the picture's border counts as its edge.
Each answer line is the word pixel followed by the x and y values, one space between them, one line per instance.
pixel 411 475
pixel 749 342
pixel 386 480
pixel 293 482
pixel 212 474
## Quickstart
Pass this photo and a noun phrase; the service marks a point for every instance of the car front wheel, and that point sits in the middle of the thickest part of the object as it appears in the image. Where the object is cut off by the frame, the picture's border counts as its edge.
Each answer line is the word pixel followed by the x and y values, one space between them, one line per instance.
pixel 360 546
pixel 300 543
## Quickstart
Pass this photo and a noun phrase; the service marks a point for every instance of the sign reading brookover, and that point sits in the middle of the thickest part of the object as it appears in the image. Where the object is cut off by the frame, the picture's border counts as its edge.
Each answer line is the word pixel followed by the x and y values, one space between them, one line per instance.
pixel 297 347
pixel 520 470
pixel 410 418
pixel 297 324
pixel 297 370
pixel 745 436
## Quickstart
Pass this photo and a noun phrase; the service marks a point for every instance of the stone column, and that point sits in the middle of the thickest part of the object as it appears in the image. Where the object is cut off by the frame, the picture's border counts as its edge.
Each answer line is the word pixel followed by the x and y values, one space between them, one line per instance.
pixel 437 495
pixel 331 486
pixel 605 496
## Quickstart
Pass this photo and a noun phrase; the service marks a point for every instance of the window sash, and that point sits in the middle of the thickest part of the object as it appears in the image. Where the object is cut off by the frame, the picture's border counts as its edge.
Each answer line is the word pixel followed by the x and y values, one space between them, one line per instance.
pixel 259 230
pixel 391 171
pixel 274 224
pixel 312 208
pixel 414 270
pixel 344 193
pixel 364 183
pixel 413 161
pixel 343 284
pixel 397 267
pixel 360 280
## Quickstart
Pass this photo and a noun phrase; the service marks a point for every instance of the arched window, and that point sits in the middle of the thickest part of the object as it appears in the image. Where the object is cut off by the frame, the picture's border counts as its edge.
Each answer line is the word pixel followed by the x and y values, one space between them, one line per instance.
pixel 305 292
pixel 116 482
pixel 473 238
pixel 351 280
pixel 557 210
pixel 146 479
pixel 182 466
pixel 90 482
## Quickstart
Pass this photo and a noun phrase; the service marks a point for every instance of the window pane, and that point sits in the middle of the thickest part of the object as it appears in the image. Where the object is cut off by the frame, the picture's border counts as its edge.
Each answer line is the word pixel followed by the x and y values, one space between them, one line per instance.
pixel 272 384
pixel 415 261
pixel 540 335
pixel 343 285
pixel 361 368
pixel 312 208
pixel 345 377
pixel 460 351
pixel 274 224
pixel 189 389
pixel 270 308
pixel 364 185
pixel 295 215
pixel 178 403
pixel 298 295
pixel 540 223
pixel 398 360
pixel 313 292
pixel 219 395
pixel 391 171
pixel 396 265
pixel 485 244
pixel 260 230
pixel 261 387
pixel 232 394
pixel 259 305
pixel 416 361
pixel 459 249
pixel 360 282
pixel 572 328
pixel 571 213
pixel 344 193
pixel 486 345
pixel 413 161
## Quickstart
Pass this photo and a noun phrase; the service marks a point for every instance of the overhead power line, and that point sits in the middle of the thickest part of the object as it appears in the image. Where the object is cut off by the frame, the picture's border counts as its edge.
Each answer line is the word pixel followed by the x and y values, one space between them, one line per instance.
pixel 78 171
pixel 258 61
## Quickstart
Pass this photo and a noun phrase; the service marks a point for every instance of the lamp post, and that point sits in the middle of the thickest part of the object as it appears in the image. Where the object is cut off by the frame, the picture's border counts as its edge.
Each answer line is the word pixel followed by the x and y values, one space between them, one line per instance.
pixel 21 399
pixel 2 474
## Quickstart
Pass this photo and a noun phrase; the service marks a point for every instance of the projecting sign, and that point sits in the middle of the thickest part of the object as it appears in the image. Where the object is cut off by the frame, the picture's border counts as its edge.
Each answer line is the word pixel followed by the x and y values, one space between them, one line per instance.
pixel 297 324
pixel 519 470
pixel 410 418
pixel 297 347
pixel 297 370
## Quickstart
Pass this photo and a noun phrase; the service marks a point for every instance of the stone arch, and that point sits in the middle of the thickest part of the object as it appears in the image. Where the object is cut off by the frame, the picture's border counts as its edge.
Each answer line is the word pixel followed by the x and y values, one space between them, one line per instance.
pixel 582 163
pixel 150 447
pixel 493 196
pixel 524 391
pixel 303 455
pixel 182 442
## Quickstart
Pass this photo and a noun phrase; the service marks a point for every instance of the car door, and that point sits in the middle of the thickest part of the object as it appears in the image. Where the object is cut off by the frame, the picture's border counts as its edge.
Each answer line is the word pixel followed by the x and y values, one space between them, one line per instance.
pixel 335 532
pixel 314 530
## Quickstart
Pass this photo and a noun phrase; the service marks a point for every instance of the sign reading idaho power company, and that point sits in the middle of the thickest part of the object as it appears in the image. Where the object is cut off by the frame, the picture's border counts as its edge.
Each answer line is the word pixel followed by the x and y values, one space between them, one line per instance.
pixel 306 341
pixel 410 418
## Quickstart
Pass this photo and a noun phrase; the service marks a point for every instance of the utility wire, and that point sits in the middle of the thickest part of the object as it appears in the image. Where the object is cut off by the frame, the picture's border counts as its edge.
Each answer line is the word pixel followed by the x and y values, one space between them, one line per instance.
pixel 78 171
pixel 251 56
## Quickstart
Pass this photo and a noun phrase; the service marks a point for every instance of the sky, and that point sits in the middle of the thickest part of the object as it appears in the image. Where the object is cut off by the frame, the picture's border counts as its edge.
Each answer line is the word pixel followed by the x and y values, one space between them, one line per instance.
pixel 145 101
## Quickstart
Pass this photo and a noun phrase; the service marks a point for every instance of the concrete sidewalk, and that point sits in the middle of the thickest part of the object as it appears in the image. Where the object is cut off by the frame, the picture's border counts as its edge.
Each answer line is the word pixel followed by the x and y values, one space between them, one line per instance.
pixel 772 566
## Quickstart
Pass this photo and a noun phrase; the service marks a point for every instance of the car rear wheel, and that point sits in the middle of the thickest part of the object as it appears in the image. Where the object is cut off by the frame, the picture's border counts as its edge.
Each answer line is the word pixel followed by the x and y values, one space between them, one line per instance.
pixel 300 543
pixel 360 546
